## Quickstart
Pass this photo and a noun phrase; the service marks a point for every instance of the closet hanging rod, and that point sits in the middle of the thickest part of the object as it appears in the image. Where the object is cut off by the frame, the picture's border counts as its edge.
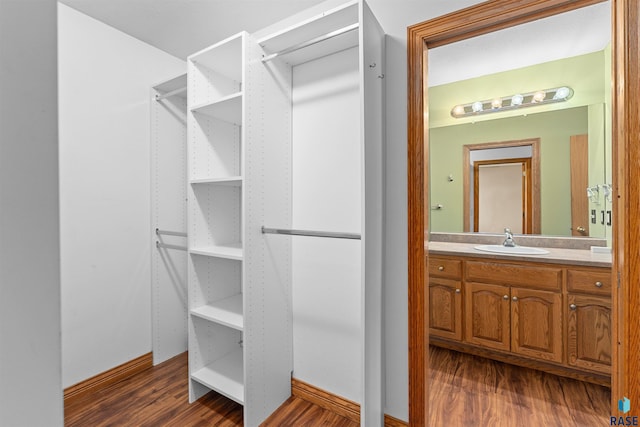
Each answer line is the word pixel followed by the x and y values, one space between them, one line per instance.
pixel 168 246
pixel 310 233
pixel 171 93
pixel 311 42
pixel 170 233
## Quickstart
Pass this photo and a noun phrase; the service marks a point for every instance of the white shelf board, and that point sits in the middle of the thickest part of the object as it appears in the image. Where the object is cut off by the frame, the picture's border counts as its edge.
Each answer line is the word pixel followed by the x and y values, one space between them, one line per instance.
pixel 226 312
pixel 228 251
pixel 234 181
pixel 224 376
pixel 173 84
pixel 326 22
pixel 228 109
pixel 224 57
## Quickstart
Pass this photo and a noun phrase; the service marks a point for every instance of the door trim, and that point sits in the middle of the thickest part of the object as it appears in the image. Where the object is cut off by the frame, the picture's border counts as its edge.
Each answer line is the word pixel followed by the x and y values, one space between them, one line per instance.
pixel 481 19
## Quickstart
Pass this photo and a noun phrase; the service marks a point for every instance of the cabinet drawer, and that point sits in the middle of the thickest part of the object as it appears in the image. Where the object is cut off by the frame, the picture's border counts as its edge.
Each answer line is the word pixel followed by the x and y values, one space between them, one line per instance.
pixel 589 281
pixel 511 274
pixel 443 267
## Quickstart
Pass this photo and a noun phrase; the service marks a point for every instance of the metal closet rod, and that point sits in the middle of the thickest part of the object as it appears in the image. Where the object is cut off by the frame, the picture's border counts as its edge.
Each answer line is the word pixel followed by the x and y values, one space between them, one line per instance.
pixel 168 246
pixel 170 233
pixel 310 233
pixel 311 42
pixel 171 93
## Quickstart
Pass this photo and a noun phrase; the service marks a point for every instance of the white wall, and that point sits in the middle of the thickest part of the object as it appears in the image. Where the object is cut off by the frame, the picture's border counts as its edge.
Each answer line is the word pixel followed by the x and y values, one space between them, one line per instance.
pixel 104 81
pixel 326 274
pixel 30 377
pixel 395 17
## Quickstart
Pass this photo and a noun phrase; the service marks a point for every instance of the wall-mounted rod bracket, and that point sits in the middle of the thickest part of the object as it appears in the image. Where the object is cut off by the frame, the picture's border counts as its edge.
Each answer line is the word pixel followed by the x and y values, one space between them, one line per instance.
pixel 310 233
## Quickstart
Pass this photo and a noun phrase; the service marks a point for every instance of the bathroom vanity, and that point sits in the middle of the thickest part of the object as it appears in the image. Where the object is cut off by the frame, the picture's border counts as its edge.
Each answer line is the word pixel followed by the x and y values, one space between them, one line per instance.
pixel 550 312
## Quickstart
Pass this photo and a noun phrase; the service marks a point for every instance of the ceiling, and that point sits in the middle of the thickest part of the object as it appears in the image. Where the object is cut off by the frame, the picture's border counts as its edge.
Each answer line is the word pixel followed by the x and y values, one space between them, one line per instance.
pixel 182 27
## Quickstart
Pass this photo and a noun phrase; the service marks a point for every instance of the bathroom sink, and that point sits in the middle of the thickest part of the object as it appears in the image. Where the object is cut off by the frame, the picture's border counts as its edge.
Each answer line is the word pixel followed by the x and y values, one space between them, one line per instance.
pixel 517 250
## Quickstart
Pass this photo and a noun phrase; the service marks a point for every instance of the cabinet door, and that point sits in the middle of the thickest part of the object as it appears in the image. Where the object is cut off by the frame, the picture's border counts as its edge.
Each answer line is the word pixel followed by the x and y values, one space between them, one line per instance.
pixel 589 332
pixel 487 315
pixel 445 308
pixel 536 324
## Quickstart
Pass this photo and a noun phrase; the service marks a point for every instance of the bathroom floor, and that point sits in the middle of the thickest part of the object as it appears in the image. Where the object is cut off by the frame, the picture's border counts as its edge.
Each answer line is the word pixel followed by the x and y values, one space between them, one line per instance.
pixel 467 390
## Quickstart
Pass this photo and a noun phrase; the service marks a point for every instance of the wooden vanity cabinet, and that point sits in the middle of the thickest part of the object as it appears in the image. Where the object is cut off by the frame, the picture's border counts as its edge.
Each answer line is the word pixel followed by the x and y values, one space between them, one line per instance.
pixel 550 317
pixel 445 308
pixel 487 315
pixel 445 298
pixel 536 324
pixel 589 329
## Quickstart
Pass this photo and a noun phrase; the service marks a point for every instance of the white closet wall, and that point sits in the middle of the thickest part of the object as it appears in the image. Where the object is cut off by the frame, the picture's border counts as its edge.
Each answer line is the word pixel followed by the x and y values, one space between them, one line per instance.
pixel 327 195
pixel 169 218
pixel 104 81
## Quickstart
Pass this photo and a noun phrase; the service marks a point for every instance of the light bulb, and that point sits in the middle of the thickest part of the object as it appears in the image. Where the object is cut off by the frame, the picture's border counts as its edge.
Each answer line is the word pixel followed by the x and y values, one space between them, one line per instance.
pixel 476 107
pixel 539 96
pixel 458 110
pixel 496 103
pixel 517 99
pixel 562 93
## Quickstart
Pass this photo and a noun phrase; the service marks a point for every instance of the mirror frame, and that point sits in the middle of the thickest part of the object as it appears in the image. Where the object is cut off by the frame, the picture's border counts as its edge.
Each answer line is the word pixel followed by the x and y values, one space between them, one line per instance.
pixel 491 16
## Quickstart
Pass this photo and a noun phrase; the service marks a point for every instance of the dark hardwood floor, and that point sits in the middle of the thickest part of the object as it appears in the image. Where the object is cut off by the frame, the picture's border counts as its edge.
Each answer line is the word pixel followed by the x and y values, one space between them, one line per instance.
pixel 464 391
pixel 467 390
pixel 160 397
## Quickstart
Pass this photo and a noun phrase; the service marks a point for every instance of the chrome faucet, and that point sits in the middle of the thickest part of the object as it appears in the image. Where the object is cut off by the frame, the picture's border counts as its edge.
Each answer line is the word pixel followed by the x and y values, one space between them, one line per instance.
pixel 508 239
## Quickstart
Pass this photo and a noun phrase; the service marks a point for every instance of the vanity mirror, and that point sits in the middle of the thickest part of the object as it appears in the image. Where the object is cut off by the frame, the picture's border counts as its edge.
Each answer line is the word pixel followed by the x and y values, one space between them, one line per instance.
pixel 525 168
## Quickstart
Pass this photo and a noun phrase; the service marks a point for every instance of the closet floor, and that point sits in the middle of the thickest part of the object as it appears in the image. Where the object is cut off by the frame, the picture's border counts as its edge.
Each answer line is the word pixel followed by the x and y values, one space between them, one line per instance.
pixel 160 397
pixel 464 391
pixel 467 390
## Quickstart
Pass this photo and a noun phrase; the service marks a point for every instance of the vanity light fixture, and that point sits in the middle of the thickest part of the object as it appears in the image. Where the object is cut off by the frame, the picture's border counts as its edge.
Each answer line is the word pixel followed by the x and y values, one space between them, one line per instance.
pixel 512 102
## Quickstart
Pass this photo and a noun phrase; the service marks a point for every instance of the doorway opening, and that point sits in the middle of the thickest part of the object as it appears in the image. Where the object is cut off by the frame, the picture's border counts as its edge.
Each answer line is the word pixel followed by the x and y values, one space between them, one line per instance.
pixel 495 208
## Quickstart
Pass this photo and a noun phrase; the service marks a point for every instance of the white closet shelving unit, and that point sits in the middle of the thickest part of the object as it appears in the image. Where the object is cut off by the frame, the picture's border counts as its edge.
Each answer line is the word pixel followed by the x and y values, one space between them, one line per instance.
pixel 348 31
pixel 239 286
pixel 240 178
pixel 169 217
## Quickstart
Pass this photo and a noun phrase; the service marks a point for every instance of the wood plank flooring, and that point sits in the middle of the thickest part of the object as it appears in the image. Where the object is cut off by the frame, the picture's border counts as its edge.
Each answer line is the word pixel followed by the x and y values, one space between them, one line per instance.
pixel 464 391
pixel 468 390
pixel 160 397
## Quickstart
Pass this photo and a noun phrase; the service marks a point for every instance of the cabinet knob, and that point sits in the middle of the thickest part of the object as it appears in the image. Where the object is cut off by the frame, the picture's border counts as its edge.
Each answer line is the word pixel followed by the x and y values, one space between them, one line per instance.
pixel 441 268
pixel 506 297
pixel 598 284
pixel 514 299
pixel 458 291
pixel 573 306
